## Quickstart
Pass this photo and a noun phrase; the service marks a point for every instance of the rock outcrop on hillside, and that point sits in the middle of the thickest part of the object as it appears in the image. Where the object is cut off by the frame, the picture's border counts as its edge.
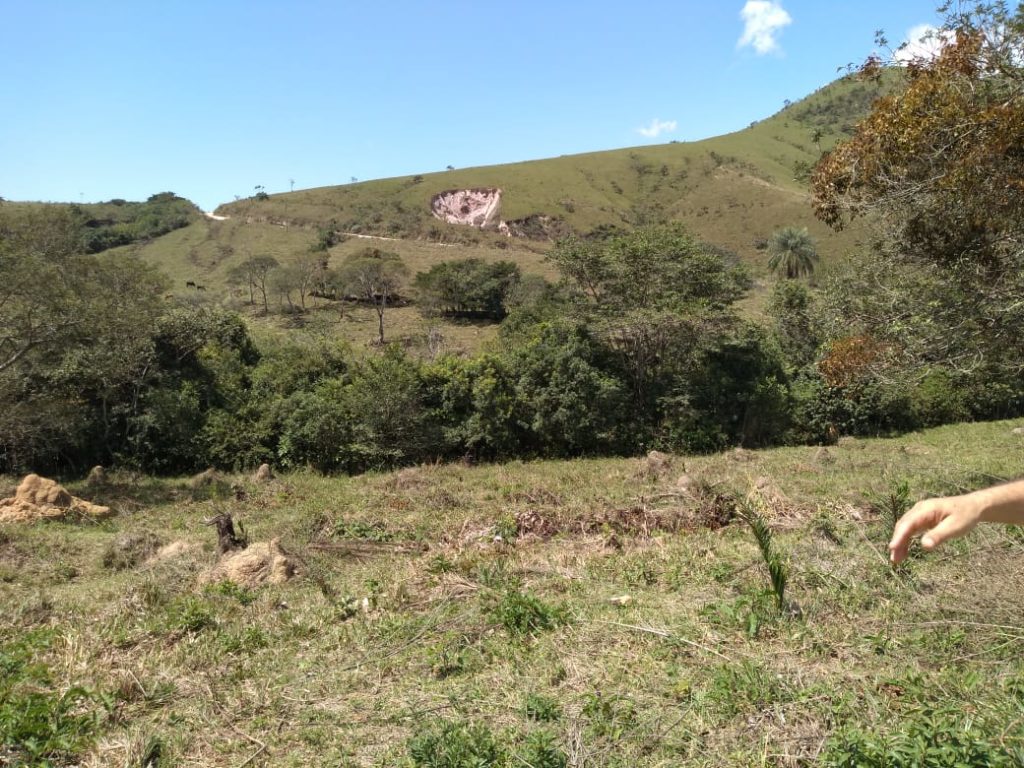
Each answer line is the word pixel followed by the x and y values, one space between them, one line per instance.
pixel 38 498
pixel 472 207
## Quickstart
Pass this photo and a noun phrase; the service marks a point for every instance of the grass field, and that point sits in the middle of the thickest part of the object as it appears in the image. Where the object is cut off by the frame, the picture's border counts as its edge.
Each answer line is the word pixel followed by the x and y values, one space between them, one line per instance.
pixel 582 613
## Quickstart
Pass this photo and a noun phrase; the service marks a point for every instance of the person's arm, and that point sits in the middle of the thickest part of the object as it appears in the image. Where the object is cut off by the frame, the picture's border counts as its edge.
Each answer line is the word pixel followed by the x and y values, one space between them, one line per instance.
pixel 953 516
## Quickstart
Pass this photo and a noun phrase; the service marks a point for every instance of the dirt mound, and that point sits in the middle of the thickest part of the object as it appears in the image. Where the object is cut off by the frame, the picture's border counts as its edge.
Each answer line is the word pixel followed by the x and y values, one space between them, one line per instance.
pixel 130 549
pixel 173 550
pixel 38 498
pixel 263 562
pixel 654 465
pixel 472 207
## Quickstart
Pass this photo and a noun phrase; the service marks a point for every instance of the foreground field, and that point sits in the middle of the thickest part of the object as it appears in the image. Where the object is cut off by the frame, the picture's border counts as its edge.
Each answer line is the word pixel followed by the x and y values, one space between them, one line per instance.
pixel 586 613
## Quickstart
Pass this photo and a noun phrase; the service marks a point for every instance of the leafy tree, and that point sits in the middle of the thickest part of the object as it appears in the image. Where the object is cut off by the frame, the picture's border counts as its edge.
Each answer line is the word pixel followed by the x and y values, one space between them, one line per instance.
pixel 653 295
pixel 376 277
pixel 573 402
pixel 792 313
pixel 387 395
pixel 936 168
pixel 74 337
pixel 467 288
pixel 660 267
pixel 475 403
pixel 791 252
pixel 939 160
pixel 253 272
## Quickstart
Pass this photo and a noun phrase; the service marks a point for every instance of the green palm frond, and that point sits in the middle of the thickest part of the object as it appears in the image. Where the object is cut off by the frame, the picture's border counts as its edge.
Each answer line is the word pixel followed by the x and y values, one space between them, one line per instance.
pixel 778 570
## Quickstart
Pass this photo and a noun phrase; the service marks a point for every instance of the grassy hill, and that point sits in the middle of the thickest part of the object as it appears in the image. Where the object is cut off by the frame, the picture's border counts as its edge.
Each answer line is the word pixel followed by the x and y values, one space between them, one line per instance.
pixel 548 613
pixel 732 190
pixel 120 222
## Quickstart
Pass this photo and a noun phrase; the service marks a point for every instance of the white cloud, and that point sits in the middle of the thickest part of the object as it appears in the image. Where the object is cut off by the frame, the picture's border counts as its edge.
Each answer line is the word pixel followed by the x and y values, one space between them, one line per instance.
pixel 923 42
pixel 657 127
pixel 763 20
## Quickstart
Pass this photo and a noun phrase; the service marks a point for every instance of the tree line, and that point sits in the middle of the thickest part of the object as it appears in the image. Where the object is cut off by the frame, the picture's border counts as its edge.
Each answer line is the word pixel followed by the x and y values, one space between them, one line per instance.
pixel 638 345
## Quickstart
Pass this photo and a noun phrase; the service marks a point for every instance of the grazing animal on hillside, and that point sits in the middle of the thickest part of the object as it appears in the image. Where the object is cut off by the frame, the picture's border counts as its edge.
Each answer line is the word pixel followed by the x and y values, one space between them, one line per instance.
pixel 190 283
pixel 200 287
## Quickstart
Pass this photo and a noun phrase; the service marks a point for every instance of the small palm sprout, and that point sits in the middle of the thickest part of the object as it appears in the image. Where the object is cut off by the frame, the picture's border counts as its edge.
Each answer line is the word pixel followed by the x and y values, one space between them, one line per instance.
pixel 778 570
pixel 791 252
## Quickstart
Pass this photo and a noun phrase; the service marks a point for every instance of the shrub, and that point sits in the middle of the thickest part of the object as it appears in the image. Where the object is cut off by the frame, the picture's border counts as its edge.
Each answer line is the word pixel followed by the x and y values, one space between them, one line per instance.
pixel 524 614
pixel 541 751
pixel 572 402
pixel 543 709
pixel 456 745
pixel 475 405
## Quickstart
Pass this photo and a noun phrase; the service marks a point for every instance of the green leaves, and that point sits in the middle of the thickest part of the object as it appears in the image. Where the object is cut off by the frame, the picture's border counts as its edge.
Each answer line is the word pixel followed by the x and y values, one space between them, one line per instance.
pixel 791 252
pixel 778 570
pixel 650 268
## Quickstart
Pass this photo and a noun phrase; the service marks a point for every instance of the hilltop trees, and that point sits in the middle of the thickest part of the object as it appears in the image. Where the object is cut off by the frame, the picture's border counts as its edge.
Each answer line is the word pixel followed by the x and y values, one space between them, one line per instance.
pixel 791 252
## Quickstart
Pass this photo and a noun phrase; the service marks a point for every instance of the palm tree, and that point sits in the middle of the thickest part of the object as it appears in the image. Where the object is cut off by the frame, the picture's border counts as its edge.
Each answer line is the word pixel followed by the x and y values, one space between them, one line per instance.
pixel 791 251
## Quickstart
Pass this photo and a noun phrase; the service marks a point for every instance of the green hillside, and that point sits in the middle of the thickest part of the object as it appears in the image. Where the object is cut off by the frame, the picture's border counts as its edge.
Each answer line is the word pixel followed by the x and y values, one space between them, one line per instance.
pixel 120 222
pixel 732 190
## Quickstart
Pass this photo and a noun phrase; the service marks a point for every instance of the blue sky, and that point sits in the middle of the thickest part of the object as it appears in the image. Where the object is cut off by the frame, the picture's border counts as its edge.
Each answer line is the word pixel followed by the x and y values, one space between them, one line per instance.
pixel 208 99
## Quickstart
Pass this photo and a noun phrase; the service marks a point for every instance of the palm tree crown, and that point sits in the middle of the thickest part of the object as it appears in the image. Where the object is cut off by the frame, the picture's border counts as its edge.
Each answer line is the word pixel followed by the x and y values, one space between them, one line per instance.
pixel 791 251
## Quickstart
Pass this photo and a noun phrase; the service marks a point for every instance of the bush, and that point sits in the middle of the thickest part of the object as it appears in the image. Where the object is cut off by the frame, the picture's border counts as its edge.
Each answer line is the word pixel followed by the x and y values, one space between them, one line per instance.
pixel 316 430
pixel 936 399
pixel 475 405
pixel 572 402
pixel 523 614
pixel 736 393
pixel 456 745
pixel 541 751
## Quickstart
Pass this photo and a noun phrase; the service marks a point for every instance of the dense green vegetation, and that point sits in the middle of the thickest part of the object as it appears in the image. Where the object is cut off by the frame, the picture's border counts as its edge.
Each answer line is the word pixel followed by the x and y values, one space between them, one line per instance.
pixel 638 346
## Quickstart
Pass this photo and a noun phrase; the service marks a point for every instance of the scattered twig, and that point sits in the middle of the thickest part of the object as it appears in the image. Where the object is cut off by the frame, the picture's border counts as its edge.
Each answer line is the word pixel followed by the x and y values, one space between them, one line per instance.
pixel 662 633
pixel 253 756
pixel 366 546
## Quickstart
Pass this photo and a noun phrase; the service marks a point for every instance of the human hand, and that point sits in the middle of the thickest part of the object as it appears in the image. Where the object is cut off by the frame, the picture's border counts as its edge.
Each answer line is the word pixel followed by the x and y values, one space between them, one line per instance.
pixel 939 520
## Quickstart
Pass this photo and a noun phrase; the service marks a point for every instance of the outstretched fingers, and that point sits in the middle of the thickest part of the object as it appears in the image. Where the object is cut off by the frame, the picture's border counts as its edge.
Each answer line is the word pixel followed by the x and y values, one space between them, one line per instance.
pixel 938 519
pixel 923 516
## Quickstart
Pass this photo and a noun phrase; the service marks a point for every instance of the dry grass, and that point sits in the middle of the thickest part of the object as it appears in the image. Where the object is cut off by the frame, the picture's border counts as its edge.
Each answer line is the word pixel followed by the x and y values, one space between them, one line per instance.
pixel 374 643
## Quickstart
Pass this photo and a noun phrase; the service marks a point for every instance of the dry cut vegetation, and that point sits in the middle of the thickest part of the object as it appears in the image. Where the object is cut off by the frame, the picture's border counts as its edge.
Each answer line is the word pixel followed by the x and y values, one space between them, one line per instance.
pixel 587 613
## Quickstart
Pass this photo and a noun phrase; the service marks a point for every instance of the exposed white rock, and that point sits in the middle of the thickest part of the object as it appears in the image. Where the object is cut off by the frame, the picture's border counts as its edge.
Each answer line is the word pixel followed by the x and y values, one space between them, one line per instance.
pixel 471 207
